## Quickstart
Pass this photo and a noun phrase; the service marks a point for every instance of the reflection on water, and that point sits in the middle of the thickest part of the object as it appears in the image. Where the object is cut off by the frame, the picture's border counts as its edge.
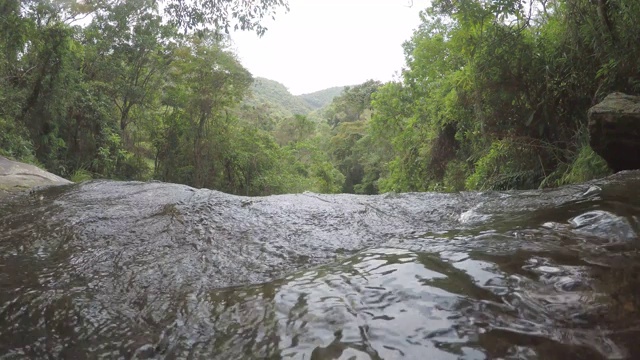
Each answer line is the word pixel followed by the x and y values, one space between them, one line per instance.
pixel 130 270
pixel 389 303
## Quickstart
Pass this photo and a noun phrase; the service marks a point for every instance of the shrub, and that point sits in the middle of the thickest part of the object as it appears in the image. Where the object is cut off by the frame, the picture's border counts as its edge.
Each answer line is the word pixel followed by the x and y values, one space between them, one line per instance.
pixel 587 165
pixel 509 164
pixel 583 163
pixel 81 175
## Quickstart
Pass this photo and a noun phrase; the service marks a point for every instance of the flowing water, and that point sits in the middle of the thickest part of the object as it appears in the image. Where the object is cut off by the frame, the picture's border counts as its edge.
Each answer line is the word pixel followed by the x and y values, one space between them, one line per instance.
pixel 161 271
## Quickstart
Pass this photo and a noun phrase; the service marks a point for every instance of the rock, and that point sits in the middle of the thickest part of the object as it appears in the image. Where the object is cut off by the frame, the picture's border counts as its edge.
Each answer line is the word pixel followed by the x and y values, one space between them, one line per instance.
pixel 614 126
pixel 16 177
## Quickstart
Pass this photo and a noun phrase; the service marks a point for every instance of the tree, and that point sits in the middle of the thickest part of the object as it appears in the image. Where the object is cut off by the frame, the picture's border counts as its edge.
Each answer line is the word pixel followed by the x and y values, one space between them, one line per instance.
pixel 295 129
pixel 206 81
pixel 189 15
pixel 224 15
pixel 352 104
pixel 349 115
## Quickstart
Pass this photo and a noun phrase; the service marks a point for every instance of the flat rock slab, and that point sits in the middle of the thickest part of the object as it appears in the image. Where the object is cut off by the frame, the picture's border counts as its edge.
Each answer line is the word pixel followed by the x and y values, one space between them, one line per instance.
pixel 16 176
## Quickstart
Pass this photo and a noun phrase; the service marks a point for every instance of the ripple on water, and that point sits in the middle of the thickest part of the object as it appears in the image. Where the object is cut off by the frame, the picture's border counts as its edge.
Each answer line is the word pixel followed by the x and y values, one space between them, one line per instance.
pixel 390 303
pixel 608 227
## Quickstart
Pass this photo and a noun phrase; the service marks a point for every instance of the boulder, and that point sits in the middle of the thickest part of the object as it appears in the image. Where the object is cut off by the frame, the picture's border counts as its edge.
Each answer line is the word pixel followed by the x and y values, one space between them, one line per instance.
pixel 614 126
pixel 16 177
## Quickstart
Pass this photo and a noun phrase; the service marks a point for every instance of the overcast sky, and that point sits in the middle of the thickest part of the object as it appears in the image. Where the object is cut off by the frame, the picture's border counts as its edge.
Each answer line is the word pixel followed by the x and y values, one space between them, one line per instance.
pixel 323 43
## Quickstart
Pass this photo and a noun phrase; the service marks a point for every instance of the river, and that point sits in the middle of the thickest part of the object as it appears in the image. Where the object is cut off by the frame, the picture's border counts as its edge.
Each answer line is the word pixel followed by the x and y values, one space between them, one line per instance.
pixel 111 270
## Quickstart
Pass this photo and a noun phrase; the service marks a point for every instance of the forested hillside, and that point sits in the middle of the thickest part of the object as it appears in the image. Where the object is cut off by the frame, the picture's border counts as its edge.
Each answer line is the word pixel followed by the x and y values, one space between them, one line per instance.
pixel 493 95
pixel 276 99
pixel 319 99
pixel 277 96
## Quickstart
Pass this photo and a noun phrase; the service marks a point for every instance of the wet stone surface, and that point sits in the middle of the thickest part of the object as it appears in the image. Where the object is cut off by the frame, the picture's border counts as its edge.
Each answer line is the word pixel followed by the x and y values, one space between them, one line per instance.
pixel 162 271
pixel 16 177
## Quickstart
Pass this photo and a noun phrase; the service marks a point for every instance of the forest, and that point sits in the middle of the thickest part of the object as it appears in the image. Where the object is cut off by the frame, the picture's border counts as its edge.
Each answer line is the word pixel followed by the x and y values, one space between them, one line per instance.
pixel 493 95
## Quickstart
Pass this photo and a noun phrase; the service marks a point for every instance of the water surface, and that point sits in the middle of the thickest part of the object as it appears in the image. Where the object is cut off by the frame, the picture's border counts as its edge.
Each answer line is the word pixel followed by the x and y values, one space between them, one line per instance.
pixel 161 271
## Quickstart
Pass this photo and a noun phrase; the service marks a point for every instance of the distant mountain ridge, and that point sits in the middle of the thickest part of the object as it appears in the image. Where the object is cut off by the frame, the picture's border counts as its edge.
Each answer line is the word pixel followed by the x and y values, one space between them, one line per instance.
pixel 321 98
pixel 283 103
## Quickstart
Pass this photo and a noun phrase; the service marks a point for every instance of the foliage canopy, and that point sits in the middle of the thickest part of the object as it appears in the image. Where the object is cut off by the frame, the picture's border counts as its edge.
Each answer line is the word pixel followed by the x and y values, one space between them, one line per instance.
pixel 493 95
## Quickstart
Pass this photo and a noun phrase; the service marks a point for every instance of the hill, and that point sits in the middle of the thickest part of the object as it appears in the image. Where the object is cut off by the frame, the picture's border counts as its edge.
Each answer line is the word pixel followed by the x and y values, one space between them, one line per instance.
pixel 322 98
pixel 278 98
pixel 281 103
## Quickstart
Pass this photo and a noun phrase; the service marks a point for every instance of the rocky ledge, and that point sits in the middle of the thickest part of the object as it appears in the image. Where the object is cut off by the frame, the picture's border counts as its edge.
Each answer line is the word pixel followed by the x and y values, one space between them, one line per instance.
pixel 614 127
pixel 16 177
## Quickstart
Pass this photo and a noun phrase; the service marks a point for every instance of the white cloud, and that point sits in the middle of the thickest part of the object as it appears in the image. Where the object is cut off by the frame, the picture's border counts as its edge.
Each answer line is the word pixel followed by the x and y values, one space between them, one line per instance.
pixel 324 43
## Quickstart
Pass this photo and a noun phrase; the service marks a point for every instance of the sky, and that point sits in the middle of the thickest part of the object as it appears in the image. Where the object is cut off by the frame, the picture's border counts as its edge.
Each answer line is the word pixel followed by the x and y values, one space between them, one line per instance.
pixel 324 43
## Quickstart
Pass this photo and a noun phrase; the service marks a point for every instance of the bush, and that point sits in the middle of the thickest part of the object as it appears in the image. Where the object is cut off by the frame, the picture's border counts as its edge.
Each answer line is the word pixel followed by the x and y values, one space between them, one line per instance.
pixel 583 164
pixel 81 175
pixel 508 164
pixel 586 166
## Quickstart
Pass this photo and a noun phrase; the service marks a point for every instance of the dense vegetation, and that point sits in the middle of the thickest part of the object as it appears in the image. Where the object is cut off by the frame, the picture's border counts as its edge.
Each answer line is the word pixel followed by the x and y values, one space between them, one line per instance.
pixel 493 96
pixel 130 96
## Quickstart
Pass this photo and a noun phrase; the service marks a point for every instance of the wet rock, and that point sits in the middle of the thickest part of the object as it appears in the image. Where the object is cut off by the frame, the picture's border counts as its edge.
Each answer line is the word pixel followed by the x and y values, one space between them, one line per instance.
pixel 16 177
pixel 614 127
pixel 608 227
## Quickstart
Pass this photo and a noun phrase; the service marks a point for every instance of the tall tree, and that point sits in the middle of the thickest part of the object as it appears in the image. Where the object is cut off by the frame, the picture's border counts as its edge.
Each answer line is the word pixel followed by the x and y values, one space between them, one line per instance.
pixel 206 81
